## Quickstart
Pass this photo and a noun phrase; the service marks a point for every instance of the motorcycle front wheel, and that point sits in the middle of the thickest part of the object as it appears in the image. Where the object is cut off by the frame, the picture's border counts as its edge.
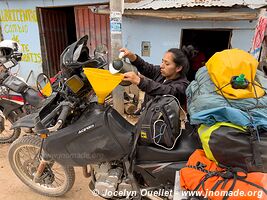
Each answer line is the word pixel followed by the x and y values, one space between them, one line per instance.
pixel 24 159
pixel 7 135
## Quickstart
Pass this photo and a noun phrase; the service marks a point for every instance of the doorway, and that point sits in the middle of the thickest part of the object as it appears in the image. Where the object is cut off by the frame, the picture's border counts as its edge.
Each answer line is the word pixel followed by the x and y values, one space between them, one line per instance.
pixel 60 27
pixel 207 42
pixel 57 31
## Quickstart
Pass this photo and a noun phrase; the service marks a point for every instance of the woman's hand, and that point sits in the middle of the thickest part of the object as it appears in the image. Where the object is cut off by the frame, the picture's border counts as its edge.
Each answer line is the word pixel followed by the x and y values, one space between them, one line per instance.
pixel 132 77
pixel 128 54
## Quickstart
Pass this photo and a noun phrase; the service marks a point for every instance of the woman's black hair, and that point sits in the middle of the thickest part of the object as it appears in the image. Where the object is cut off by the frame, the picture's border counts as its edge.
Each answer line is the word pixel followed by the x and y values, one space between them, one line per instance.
pixel 182 57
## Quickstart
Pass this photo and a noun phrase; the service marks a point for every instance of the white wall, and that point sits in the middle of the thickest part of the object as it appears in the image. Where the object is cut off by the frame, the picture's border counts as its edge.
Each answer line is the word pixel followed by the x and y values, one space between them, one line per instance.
pixel 165 34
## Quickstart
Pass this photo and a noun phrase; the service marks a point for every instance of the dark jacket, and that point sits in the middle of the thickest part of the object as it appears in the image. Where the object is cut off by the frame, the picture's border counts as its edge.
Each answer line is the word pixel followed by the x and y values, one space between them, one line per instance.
pixel 153 83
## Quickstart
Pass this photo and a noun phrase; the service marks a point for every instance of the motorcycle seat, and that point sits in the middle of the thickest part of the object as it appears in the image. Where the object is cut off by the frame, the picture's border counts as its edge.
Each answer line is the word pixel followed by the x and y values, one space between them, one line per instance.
pixel 185 146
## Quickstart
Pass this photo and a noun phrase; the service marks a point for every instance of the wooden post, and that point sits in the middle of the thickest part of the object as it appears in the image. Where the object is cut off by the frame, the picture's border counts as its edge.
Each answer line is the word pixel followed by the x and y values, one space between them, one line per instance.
pixel 116 9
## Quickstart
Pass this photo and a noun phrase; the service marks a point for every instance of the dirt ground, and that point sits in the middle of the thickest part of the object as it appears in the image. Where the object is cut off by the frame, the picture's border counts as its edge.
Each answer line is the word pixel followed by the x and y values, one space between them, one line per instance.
pixel 11 188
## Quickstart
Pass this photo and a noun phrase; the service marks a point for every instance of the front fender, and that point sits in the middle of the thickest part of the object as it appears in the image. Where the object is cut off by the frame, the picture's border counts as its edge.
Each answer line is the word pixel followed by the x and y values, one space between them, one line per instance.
pixel 27 121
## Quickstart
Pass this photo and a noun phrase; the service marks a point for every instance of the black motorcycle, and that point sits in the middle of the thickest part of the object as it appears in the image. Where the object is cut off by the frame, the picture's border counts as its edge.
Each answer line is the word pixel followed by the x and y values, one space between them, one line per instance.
pixel 75 130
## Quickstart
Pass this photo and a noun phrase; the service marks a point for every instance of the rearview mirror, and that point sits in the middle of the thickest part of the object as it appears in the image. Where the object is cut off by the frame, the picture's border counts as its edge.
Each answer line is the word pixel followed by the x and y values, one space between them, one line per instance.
pixel 101 49
pixel 44 85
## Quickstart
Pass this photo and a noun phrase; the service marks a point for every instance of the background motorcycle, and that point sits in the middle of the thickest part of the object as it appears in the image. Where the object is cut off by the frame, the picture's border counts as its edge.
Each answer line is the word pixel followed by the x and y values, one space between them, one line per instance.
pixel 13 105
pixel 76 131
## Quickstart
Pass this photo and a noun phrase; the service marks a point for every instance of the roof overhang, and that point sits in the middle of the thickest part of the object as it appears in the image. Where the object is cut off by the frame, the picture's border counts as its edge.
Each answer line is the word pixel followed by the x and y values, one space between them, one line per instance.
pixel 163 4
pixel 195 13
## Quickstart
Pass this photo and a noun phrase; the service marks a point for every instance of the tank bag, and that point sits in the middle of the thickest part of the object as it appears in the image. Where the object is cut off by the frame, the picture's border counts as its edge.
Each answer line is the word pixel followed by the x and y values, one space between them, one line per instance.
pixel 159 123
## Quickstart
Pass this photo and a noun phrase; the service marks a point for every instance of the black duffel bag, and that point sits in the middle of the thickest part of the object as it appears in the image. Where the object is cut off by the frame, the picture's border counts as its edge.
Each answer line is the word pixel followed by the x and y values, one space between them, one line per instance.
pixel 233 146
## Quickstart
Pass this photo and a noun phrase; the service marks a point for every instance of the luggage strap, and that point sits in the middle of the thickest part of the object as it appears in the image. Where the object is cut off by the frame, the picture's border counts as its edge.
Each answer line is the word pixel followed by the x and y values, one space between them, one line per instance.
pixel 227 174
pixel 255 145
pixel 254 139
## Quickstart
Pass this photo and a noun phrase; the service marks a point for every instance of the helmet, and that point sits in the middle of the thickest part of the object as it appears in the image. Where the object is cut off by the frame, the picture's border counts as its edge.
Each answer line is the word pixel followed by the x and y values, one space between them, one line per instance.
pixel 10 49
pixel 75 56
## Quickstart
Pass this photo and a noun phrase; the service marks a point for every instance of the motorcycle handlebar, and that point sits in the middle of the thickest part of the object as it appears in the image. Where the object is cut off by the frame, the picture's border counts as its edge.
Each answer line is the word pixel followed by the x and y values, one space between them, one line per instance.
pixel 65 108
pixel 51 115
pixel 64 112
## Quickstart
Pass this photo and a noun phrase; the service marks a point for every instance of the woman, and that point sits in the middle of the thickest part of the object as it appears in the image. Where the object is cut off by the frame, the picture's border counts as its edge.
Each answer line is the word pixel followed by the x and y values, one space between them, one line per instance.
pixel 168 78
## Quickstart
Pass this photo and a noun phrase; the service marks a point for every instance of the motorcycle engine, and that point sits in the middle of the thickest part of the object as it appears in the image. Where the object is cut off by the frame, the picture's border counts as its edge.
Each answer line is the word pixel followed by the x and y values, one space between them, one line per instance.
pixel 110 180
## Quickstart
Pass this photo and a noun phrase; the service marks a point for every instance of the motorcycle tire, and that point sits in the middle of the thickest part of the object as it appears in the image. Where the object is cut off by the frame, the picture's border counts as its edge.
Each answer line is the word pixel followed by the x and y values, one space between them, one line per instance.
pixel 30 145
pixel 9 136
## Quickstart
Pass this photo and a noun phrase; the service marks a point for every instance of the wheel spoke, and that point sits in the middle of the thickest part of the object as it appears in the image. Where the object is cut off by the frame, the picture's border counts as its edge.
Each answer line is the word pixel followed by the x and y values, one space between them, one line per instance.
pixel 57 184
pixel 7 133
pixel 56 172
pixel 54 178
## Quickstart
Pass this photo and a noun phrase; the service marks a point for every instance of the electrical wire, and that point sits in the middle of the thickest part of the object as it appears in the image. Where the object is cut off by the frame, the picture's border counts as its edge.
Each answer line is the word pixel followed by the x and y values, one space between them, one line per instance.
pixel 162 133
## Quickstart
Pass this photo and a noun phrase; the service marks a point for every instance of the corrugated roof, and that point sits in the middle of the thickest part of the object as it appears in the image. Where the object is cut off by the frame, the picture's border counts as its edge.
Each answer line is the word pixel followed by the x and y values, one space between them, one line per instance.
pixel 158 4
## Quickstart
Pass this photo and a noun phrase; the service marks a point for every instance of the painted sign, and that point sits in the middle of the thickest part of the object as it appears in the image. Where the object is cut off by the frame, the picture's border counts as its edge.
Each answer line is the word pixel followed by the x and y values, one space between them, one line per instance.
pixel 115 22
pixel 16 25
pixel 20 24
pixel 18 15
